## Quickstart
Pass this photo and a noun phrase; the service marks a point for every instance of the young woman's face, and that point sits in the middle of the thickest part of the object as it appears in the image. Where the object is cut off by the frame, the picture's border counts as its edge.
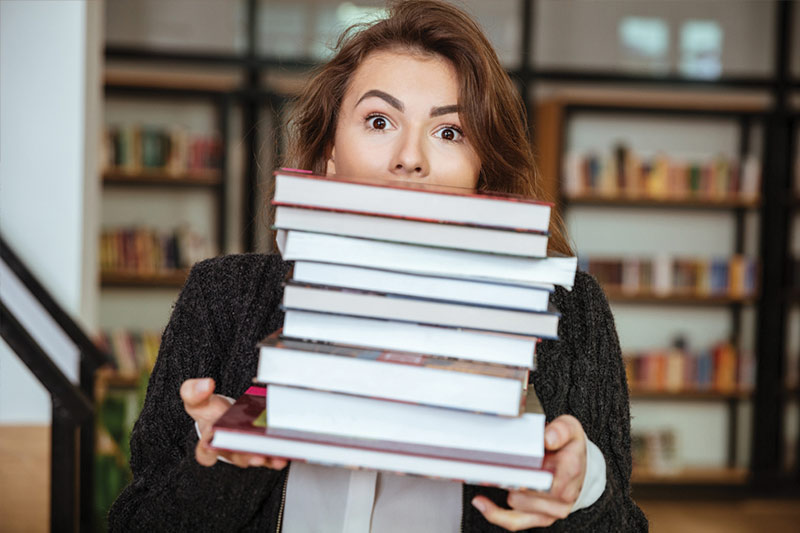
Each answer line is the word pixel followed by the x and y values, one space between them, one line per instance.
pixel 399 120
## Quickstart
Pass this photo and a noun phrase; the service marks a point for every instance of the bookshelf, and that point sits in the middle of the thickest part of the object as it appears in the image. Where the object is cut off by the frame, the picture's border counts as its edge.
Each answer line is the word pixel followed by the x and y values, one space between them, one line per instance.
pixel 557 115
pixel 257 80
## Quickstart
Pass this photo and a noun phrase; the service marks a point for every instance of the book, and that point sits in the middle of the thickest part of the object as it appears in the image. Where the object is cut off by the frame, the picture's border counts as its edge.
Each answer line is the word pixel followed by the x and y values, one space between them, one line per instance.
pixel 398 376
pixel 304 246
pixel 420 311
pixel 431 233
pixel 488 347
pixel 412 200
pixel 531 298
pixel 244 428
pixel 392 426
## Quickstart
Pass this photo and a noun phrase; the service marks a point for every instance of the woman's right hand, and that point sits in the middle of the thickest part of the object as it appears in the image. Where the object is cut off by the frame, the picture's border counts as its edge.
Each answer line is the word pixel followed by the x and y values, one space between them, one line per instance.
pixel 205 408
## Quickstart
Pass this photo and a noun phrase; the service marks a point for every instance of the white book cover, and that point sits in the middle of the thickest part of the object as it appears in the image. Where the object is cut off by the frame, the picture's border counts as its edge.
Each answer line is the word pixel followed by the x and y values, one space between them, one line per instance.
pixel 304 246
pixel 473 345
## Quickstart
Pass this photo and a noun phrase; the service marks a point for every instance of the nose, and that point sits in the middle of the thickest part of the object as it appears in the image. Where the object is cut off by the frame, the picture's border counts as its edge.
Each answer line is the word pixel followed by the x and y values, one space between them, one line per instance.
pixel 410 159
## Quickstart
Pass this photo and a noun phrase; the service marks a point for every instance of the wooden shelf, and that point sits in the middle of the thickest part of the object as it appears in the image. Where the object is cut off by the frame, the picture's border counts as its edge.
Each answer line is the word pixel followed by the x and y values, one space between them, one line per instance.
pixel 670 203
pixel 194 178
pixel 219 81
pixel 118 381
pixel 714 101
pixel 617 296
pixel 171 279
pixel 688 395
pixel 692 476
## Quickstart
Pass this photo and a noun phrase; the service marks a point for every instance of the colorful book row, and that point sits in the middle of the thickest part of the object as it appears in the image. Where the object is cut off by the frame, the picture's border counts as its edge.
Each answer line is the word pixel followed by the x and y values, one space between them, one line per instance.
pixel 134 352
pixel 626 174
pixel 655 451
pixel 149 251
pixel 173 151
pixel 718 369
pixel 664 275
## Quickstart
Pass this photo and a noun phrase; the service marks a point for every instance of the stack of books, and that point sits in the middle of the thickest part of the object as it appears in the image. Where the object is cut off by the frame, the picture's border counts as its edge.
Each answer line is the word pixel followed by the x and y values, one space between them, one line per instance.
pixel 411 323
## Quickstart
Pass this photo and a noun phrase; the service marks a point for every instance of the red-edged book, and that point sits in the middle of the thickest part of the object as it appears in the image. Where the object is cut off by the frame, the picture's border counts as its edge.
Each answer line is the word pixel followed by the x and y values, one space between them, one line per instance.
pixel 244 428
pixel 413 200
pixel 523 243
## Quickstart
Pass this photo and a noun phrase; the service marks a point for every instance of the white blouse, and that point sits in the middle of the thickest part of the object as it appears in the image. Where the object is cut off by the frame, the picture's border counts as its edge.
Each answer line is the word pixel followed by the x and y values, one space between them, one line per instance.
pixel 324 499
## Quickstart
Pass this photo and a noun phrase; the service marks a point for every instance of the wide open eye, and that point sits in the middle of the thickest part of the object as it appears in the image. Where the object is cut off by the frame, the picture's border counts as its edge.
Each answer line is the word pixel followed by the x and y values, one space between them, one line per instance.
pixel 449 133
pixel 377 122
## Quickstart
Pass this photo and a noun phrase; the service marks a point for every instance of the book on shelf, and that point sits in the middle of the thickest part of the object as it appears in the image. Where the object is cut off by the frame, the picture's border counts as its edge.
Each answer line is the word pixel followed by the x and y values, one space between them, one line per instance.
pixel 665 275
pixel 136 149
pixel 406 428
pixel 474 345
pixel 530 298
pixel 244 427
pixel 408 258
pixel 717 369
pixel 134 352
pixel 440 235
pixel 655 452
pixel 148 251
pixel 625 174
pixel 419 311
pixel 389 375
pixel 411 200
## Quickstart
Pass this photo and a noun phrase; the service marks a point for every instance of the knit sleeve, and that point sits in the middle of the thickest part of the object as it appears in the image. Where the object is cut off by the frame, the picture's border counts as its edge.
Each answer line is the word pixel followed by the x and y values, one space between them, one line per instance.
pixel 582 374
pixel 598 397
pixel 170 491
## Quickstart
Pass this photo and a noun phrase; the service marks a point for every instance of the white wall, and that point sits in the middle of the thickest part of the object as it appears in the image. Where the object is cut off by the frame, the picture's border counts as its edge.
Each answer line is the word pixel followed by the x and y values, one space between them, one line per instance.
pixel 50 59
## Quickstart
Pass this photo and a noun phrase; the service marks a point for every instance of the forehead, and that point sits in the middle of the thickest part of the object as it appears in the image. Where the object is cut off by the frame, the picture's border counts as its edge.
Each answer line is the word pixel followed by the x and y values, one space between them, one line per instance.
pixel 405 72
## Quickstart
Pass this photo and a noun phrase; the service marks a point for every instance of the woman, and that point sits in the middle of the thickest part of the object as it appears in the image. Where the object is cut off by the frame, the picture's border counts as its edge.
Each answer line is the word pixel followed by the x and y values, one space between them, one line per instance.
pixel 418 96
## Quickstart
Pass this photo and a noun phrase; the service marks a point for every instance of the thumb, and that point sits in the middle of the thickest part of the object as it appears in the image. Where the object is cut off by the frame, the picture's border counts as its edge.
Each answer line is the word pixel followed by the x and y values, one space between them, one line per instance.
pixel 557 433
pixel 196 392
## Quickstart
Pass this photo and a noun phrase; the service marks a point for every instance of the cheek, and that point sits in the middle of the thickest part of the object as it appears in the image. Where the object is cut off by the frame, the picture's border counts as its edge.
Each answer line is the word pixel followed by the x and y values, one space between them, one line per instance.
pixel 458 171
pixel 355 160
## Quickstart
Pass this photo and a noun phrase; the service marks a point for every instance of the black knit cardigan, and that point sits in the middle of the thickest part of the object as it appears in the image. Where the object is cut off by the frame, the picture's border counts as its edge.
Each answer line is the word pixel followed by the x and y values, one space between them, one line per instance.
pixel 230 303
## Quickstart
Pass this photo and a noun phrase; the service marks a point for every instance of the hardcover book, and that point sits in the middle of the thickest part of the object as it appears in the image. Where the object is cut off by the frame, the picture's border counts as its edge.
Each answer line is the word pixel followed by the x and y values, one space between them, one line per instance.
pixel 529 298
pixel 244 427
pixel 412 200
pixel 439 235
pixel 405 428
pixel 399 376
pixel 473 345
pixel 426 260
pixel 420 311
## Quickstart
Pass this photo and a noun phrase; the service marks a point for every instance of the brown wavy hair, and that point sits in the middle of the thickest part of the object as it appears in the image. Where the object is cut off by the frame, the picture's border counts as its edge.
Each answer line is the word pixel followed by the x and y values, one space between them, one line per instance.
pixel 491 110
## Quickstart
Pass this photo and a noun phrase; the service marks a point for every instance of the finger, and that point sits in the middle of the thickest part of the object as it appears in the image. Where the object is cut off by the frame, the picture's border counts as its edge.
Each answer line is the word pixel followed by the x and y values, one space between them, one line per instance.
pixel 196 392
pixel 569 469
pixel 205 454
pixel 277 463
pixel 512 520
pixel 560 431
pixel 533 502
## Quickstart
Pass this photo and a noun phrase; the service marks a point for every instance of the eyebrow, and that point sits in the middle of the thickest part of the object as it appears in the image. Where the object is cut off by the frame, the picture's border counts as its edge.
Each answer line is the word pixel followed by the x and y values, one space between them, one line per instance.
pixel 397 104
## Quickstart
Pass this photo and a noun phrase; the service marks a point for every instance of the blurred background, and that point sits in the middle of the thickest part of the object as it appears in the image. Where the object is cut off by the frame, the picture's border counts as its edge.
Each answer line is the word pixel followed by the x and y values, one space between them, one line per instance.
pixel 139 136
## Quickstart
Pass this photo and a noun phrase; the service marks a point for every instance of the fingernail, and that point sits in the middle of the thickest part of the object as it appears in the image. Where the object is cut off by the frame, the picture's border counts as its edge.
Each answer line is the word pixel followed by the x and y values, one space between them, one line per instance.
pixel 256 461
pixel 479 505
pixel 202 385
pixel 550 438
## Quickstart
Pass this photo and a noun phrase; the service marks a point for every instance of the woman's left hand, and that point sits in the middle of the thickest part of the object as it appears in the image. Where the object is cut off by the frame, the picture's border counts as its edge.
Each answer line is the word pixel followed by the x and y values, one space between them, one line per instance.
pixel 565 446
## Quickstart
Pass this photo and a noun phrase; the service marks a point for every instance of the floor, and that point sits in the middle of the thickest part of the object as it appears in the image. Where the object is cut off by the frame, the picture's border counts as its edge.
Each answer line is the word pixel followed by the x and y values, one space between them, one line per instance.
pixel 735 516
